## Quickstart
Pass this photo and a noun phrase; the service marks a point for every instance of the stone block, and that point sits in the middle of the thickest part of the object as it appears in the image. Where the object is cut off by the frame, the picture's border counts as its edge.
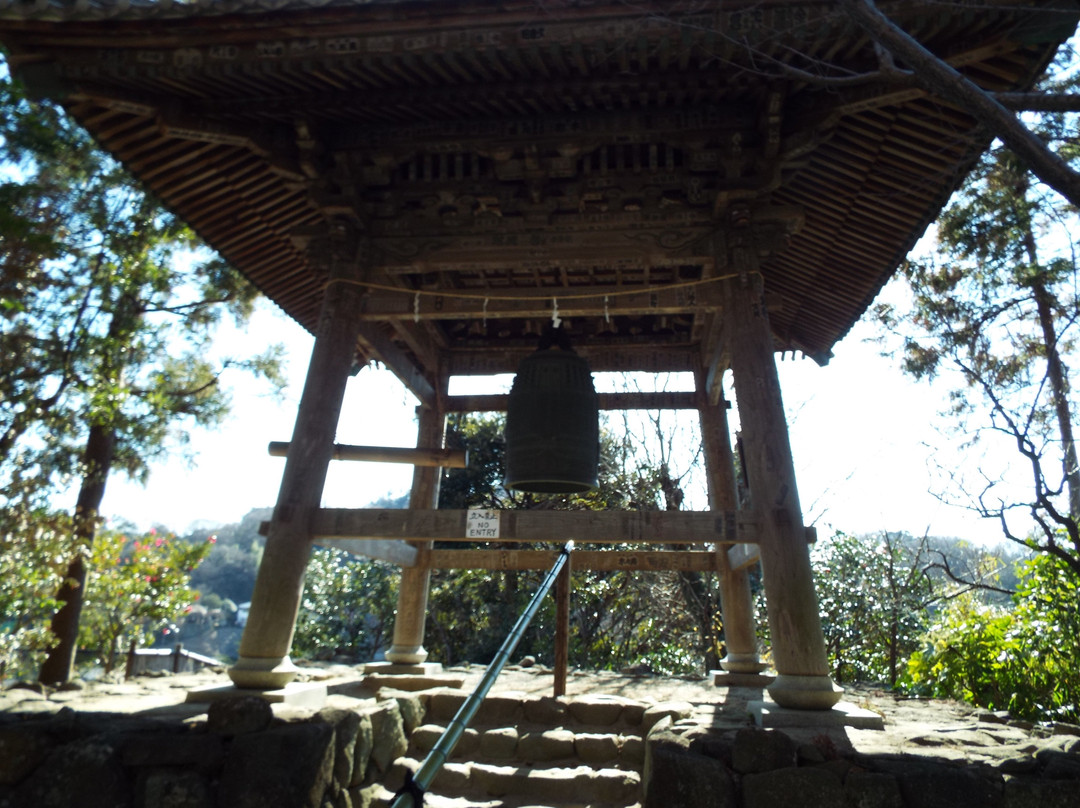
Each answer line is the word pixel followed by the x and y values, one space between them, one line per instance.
pixel 388 739
pixel 424 738
pixel 872 790
pixel 806 787
pixel 90 769
pixel 1023 792
pixel 494 780
pixel 22 749
pixel 201 751
pixel 287 765
pixel 547 711
pixel 596 748
pixel 346 724
pixel 239 715
pixel 365 742
pixel 598 711
pixel 412 709
pixel 675 778
pixel 762 750
pixel 676 710
pixel 444 704
pixel 172 788
pixel 1059 765
pixel 453 778
pixel 614 787
pixel 500 743
pixel 632 713
pixel 554 744
pixel 500 711
pixel 930 784
pixel 631 750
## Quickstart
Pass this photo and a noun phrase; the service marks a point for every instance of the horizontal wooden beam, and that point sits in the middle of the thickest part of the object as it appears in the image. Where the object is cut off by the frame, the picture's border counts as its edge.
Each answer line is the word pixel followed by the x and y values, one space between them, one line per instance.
pixel 596 560
pixel 396 552
pixel 649 527
pixel 631 355
pixel 607 401
pixel 445 458
pixel 743 555
pixel 380 306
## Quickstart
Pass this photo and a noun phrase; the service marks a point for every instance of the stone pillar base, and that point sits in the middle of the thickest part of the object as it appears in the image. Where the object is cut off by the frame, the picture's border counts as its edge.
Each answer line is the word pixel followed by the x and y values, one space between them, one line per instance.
pixel 407 654
pixel 805 692
pixel 399 669
pixel 262 673
pixel 758 681
pixel 742 663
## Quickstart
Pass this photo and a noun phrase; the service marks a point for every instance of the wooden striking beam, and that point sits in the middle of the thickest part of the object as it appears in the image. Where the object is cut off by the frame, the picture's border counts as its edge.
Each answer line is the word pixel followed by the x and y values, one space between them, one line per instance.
pixel 599 560
pixel 396 552
pixel 607 401
pixel 650 527
pixel 445 458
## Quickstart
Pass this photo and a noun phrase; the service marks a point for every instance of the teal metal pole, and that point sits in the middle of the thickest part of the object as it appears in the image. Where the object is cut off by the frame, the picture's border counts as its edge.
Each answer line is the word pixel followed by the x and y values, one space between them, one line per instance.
pixel 417 784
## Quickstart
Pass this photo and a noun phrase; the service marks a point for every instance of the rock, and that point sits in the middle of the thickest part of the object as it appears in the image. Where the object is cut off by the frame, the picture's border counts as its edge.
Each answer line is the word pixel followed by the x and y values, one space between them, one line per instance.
pixel 388 739
pixel 527 661
pixel 499 744
pixel 22 749
pixel 239 715
pixel 1059 765
pixel 594 748
pixel 872 790
pixel 762 750
pixel 806 787
pixel 500 711
pixel 554 744
pixel 412 708
pixel 362 751
pixel 929 784
pixel 288 765
pixel 203 752
pixel 677 710
pixel 346 724
pixel 676 778
pixel 170 788
pixel 90 769
pixel 632 750
pixel 1030 793
pixel 443 704
pixel 599 711
pixel 547 710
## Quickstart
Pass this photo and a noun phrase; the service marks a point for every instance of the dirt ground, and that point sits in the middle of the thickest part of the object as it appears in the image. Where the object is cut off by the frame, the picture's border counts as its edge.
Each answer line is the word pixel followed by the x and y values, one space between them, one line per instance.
pixel 934 728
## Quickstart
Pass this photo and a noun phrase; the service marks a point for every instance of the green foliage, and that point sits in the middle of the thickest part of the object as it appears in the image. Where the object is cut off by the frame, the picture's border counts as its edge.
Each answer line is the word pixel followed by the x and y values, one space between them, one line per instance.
pixel 34 550
pixel 873 595
pixel 135 588
pixel 348 606
pixel 1021 659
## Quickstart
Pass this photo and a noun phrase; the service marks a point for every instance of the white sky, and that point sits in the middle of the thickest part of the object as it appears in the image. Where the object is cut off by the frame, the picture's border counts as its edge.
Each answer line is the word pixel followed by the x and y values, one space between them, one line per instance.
pixel 858 430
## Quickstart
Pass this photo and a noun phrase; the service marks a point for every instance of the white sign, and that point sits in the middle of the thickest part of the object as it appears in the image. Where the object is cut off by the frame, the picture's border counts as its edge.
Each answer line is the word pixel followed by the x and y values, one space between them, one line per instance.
pixel 482 524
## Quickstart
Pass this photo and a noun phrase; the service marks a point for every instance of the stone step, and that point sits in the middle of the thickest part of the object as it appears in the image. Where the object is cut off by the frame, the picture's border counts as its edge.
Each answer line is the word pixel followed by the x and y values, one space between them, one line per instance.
pixel 537 746
pixel 480 784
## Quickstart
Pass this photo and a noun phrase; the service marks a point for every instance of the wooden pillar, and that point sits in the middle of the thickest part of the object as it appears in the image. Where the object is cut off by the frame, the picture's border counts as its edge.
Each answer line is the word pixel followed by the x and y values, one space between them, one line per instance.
pixel 264 648
pixel 798 644
pixel 408 646
pixel 736 602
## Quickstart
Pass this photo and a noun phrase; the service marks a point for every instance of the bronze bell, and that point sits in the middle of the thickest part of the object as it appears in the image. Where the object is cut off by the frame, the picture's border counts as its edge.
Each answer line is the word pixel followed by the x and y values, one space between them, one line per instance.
pixel 552 424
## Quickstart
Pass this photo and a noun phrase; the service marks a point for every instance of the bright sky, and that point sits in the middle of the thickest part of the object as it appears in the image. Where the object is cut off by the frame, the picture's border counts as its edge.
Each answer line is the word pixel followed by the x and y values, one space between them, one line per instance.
pixel 858 428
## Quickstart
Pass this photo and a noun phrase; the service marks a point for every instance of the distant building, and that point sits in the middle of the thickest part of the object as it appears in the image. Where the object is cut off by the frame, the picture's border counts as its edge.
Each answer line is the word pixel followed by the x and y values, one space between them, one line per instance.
pixel 242 613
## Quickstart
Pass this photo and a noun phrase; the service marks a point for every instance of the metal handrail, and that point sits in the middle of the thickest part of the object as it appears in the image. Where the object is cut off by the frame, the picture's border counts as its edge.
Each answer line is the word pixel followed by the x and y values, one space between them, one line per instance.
pixel 412 793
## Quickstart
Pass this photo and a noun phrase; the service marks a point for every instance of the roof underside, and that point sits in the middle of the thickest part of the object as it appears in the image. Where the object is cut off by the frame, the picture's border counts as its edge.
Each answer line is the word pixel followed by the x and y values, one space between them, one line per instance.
pixel 516 160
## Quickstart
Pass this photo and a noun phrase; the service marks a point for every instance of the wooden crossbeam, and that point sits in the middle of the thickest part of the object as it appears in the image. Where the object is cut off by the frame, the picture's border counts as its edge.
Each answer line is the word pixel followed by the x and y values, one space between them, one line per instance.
pixel 743 555
pixel 599 560
pixel 396 552
pixel 446 458
pixel 663 400
pixel 649 527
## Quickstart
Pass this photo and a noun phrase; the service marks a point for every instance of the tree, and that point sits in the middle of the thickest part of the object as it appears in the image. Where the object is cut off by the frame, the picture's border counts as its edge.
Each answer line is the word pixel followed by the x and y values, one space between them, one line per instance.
pixel 998 306
pixel 107 318
pixel 136 587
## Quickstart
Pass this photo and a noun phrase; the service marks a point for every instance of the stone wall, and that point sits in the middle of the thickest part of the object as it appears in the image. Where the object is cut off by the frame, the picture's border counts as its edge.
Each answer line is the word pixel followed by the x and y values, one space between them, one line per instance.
pixel 239 756
pixel 756 768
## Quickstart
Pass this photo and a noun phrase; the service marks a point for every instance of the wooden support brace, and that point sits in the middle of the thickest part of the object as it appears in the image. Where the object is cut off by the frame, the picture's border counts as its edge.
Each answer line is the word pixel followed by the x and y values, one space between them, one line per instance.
pixel 396 552
pixel 649 527
pixel 597 560
pixel 743 555
pixel 446 458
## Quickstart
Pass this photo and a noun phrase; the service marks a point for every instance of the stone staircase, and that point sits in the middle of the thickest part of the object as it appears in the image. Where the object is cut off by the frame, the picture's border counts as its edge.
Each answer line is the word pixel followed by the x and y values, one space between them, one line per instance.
pixel 541 752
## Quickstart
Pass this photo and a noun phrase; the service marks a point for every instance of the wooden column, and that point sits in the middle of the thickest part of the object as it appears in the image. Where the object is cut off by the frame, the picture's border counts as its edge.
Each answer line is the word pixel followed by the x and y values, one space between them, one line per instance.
pixel 798 644
pixel 408 647
pixel 264 648
pixel 736 603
